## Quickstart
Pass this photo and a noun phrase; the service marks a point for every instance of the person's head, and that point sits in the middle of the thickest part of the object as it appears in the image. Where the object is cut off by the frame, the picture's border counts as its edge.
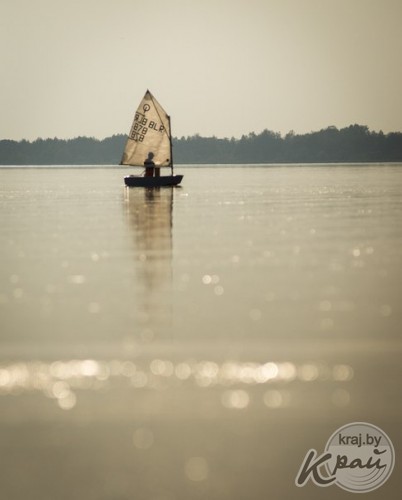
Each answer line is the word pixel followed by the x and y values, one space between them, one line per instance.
pixel 150 155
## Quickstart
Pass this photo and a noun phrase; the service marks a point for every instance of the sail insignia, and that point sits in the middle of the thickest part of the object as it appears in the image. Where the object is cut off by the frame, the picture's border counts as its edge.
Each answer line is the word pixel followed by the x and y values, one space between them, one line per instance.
pixel 149 133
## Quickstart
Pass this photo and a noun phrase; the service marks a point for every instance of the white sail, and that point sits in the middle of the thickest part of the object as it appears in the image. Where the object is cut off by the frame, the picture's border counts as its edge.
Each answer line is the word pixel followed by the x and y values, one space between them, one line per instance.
pixel 150 133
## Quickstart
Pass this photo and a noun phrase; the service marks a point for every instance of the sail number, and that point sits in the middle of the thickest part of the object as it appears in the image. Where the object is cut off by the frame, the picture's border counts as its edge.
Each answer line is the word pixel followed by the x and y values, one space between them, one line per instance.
pixel 141 125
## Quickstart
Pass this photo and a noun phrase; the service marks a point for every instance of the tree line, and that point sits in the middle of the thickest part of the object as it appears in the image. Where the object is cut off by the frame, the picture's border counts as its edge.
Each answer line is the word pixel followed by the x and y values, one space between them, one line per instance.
pixel 355 143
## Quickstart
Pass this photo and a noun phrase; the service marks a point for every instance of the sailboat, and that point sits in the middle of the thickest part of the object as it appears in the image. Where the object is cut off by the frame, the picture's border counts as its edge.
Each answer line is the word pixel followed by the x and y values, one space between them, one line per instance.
pixel 149 145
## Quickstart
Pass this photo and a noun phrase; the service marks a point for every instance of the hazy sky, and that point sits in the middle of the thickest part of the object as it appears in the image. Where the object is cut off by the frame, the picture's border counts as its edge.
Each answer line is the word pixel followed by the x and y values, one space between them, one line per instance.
pixel 219 67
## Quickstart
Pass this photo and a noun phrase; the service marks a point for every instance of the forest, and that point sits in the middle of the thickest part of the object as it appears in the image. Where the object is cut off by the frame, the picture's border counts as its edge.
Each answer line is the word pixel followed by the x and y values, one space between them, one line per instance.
pixel 352 144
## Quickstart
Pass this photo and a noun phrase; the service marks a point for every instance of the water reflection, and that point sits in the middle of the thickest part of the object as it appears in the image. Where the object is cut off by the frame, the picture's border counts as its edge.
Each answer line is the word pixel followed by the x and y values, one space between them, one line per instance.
pixel 150 216
pixel 66 381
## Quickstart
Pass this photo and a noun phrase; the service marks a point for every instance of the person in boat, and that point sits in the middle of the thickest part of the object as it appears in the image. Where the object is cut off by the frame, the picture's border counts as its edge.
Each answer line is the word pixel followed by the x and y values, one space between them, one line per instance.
pixel 149 165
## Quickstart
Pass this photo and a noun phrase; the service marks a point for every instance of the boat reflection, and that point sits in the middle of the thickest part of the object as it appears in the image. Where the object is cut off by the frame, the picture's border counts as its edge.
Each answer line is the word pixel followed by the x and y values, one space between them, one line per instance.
pixel 150 217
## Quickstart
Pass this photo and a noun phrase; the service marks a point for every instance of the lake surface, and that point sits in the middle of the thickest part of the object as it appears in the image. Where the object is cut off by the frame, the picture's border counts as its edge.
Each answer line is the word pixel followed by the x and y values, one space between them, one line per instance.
pixel 195 342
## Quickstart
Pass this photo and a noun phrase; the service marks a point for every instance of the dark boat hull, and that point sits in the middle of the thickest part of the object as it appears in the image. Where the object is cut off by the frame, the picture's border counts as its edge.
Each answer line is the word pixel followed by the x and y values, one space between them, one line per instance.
pixel 149 182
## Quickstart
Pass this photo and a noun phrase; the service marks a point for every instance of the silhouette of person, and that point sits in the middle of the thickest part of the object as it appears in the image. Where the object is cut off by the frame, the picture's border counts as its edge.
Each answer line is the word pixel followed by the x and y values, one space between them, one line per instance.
pixel 149 165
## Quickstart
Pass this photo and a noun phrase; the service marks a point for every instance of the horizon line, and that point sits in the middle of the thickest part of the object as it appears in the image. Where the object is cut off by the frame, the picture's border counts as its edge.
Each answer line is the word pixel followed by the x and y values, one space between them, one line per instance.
pixel 197 134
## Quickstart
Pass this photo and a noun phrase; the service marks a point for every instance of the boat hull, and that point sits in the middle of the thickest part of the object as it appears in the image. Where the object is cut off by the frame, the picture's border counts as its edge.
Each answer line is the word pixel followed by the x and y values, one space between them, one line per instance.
pixel 149 182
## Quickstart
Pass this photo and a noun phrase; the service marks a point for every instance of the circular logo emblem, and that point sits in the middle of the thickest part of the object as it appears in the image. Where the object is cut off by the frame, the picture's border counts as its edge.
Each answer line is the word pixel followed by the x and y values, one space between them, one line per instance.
pixel 362 457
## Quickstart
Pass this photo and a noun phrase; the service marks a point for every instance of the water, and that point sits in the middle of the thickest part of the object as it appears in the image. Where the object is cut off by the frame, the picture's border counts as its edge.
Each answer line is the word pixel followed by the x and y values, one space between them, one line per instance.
pixel 194 342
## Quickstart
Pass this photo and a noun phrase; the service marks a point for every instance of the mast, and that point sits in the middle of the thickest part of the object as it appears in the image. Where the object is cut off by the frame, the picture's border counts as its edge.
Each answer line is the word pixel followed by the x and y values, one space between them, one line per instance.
pixel 171 144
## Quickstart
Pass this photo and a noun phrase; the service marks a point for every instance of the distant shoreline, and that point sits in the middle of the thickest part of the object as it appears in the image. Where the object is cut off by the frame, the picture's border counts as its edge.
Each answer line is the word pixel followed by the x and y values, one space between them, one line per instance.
pixel 210 165
pixel 354 144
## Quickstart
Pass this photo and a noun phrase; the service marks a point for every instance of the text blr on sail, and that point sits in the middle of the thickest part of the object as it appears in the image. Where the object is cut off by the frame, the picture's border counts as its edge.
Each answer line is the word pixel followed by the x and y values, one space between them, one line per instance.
pixel 141 125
